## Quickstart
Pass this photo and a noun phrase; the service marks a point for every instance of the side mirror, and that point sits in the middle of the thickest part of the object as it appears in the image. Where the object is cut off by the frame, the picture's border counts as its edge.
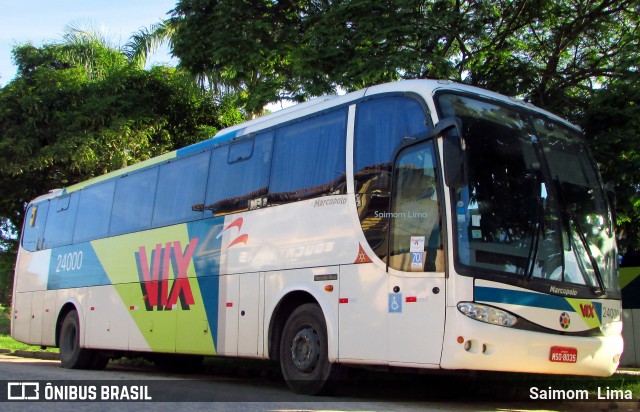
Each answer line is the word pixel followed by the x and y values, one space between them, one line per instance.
pixel 455 164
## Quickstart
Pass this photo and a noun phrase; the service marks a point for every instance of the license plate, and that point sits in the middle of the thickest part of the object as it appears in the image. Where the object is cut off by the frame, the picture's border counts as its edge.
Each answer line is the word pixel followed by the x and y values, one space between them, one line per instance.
pixel 563 354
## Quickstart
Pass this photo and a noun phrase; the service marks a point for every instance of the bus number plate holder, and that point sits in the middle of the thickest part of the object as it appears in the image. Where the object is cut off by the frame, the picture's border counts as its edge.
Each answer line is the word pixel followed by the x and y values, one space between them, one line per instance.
pixel 563 354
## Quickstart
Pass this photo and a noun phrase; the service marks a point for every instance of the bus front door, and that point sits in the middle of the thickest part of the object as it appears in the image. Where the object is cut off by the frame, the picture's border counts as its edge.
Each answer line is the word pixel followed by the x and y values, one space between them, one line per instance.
pixel 415 320
pixel 416 276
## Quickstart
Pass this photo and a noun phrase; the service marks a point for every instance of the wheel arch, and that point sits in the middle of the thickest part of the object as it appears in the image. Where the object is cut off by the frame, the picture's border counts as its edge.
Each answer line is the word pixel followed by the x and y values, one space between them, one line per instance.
pixel 64 310
pixel 287 304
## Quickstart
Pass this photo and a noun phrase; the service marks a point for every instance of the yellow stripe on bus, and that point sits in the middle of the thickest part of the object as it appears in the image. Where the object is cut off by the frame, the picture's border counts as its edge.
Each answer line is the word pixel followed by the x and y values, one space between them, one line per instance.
pixel 628 275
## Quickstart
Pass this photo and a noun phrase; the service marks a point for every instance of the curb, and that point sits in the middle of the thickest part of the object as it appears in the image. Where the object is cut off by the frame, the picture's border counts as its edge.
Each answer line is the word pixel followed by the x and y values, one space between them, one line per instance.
pixel 628 372
pixel 32 354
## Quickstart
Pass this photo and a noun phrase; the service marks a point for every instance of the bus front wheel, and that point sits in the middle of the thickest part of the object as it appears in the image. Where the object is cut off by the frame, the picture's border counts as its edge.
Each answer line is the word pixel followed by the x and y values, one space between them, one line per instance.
pixel 72 356
pixel 303 351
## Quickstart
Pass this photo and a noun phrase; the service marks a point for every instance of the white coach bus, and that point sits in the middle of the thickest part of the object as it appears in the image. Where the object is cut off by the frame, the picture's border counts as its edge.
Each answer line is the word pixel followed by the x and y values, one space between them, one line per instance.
pixel 420 224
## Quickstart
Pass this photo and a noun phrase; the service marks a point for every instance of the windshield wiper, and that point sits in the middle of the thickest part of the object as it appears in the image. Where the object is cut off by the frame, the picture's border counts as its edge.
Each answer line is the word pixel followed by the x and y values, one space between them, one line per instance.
pixel 592 259
pixel 533 251
pixel 535 240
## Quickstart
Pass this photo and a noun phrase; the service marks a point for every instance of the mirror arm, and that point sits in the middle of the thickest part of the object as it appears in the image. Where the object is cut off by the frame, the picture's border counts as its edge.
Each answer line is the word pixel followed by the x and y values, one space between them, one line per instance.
pixel 447 124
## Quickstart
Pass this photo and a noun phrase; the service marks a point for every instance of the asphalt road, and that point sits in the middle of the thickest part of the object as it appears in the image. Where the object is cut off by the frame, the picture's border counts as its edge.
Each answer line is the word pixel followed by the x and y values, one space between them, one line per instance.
pixel 163 391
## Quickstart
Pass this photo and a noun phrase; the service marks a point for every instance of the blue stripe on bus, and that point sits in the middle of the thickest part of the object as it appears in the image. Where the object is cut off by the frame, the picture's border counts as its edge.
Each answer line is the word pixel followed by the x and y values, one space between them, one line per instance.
pixel 522 298
pixel 75 266
pixel 209 143
pixel 206 261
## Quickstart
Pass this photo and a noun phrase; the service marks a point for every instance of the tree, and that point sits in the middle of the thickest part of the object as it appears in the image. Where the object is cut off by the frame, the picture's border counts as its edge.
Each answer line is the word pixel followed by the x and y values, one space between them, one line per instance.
pixel 148 40
pixel 568 56
pixel 239 47
pixel 612 122
pixel 81 108
pixel 355 44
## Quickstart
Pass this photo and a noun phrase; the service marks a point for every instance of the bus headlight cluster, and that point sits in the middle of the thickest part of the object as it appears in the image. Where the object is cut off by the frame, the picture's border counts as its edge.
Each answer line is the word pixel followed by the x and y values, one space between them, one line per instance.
pixel 487 314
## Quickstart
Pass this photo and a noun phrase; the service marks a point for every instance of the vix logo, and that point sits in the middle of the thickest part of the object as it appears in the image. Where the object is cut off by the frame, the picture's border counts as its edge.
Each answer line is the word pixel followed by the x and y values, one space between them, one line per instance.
pixel 154 275
pixel 588 311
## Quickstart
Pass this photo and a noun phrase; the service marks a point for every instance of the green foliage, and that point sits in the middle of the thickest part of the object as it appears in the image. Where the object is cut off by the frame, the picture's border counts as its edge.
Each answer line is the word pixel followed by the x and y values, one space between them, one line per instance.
pixel 82 108
pixel 147 41
pixel 354 44
pixel 550 52
pixel 239 47
pixel 612 124
pixel 7 262
pixel 576 58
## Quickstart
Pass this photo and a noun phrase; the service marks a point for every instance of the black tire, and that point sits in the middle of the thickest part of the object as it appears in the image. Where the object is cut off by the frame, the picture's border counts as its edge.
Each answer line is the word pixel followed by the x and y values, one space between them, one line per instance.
pixel 72 356
pixel 99 360
pixel 303 351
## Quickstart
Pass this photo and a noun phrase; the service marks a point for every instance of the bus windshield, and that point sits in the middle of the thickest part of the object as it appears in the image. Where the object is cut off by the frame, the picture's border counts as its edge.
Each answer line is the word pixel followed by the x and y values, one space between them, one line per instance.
pixel 534 207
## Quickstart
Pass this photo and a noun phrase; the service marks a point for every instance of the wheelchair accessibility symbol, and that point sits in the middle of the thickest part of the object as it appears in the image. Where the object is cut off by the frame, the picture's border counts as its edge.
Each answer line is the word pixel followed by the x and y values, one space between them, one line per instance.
pixel 395 302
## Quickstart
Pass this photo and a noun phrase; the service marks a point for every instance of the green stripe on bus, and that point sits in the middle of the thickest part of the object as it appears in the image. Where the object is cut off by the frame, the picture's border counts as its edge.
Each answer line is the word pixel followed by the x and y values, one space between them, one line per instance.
pixel 628 275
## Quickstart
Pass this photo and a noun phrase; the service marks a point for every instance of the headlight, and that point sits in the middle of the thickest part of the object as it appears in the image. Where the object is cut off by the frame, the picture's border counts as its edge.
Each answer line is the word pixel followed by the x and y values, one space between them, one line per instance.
pixel 487 314
pixel 611 328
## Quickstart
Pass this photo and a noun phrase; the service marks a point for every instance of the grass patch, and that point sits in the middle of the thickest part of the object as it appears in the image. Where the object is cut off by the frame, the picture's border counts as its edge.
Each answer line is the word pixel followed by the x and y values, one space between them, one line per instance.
pixel 7 342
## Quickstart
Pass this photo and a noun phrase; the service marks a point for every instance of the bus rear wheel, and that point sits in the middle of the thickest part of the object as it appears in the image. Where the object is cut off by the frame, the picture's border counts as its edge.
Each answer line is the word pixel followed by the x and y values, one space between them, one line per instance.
pixel 303 351
pixel 72 356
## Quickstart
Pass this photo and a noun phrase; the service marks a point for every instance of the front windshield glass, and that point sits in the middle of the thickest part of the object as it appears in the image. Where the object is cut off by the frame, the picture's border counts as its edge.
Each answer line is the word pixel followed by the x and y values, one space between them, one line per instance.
pixel 533 202
pixel 583 200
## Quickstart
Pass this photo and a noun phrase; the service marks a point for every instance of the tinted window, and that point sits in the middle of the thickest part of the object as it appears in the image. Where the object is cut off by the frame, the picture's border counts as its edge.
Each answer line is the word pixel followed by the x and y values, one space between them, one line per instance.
pixel 94 212
pixel 414 244
pixel 239 175
pixel 60 221
pixel 381 125
pixel 309 158
pixel 506 218
pixel 133 202
pixel 35 220
pixel 240 151
pixel 181 186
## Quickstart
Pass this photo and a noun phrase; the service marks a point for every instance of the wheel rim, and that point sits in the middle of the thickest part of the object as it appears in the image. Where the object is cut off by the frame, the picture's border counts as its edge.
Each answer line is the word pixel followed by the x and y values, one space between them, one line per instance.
pixel 305 349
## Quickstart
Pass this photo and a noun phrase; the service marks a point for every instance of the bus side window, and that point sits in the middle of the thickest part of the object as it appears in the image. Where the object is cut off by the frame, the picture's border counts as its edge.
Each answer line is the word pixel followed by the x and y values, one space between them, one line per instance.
pixel 181 185
pixel 61 221
pixel 94 212
pixel 34 226
pixel 381 126
pixel 133 202
pixel 239 175
pixel 309 159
